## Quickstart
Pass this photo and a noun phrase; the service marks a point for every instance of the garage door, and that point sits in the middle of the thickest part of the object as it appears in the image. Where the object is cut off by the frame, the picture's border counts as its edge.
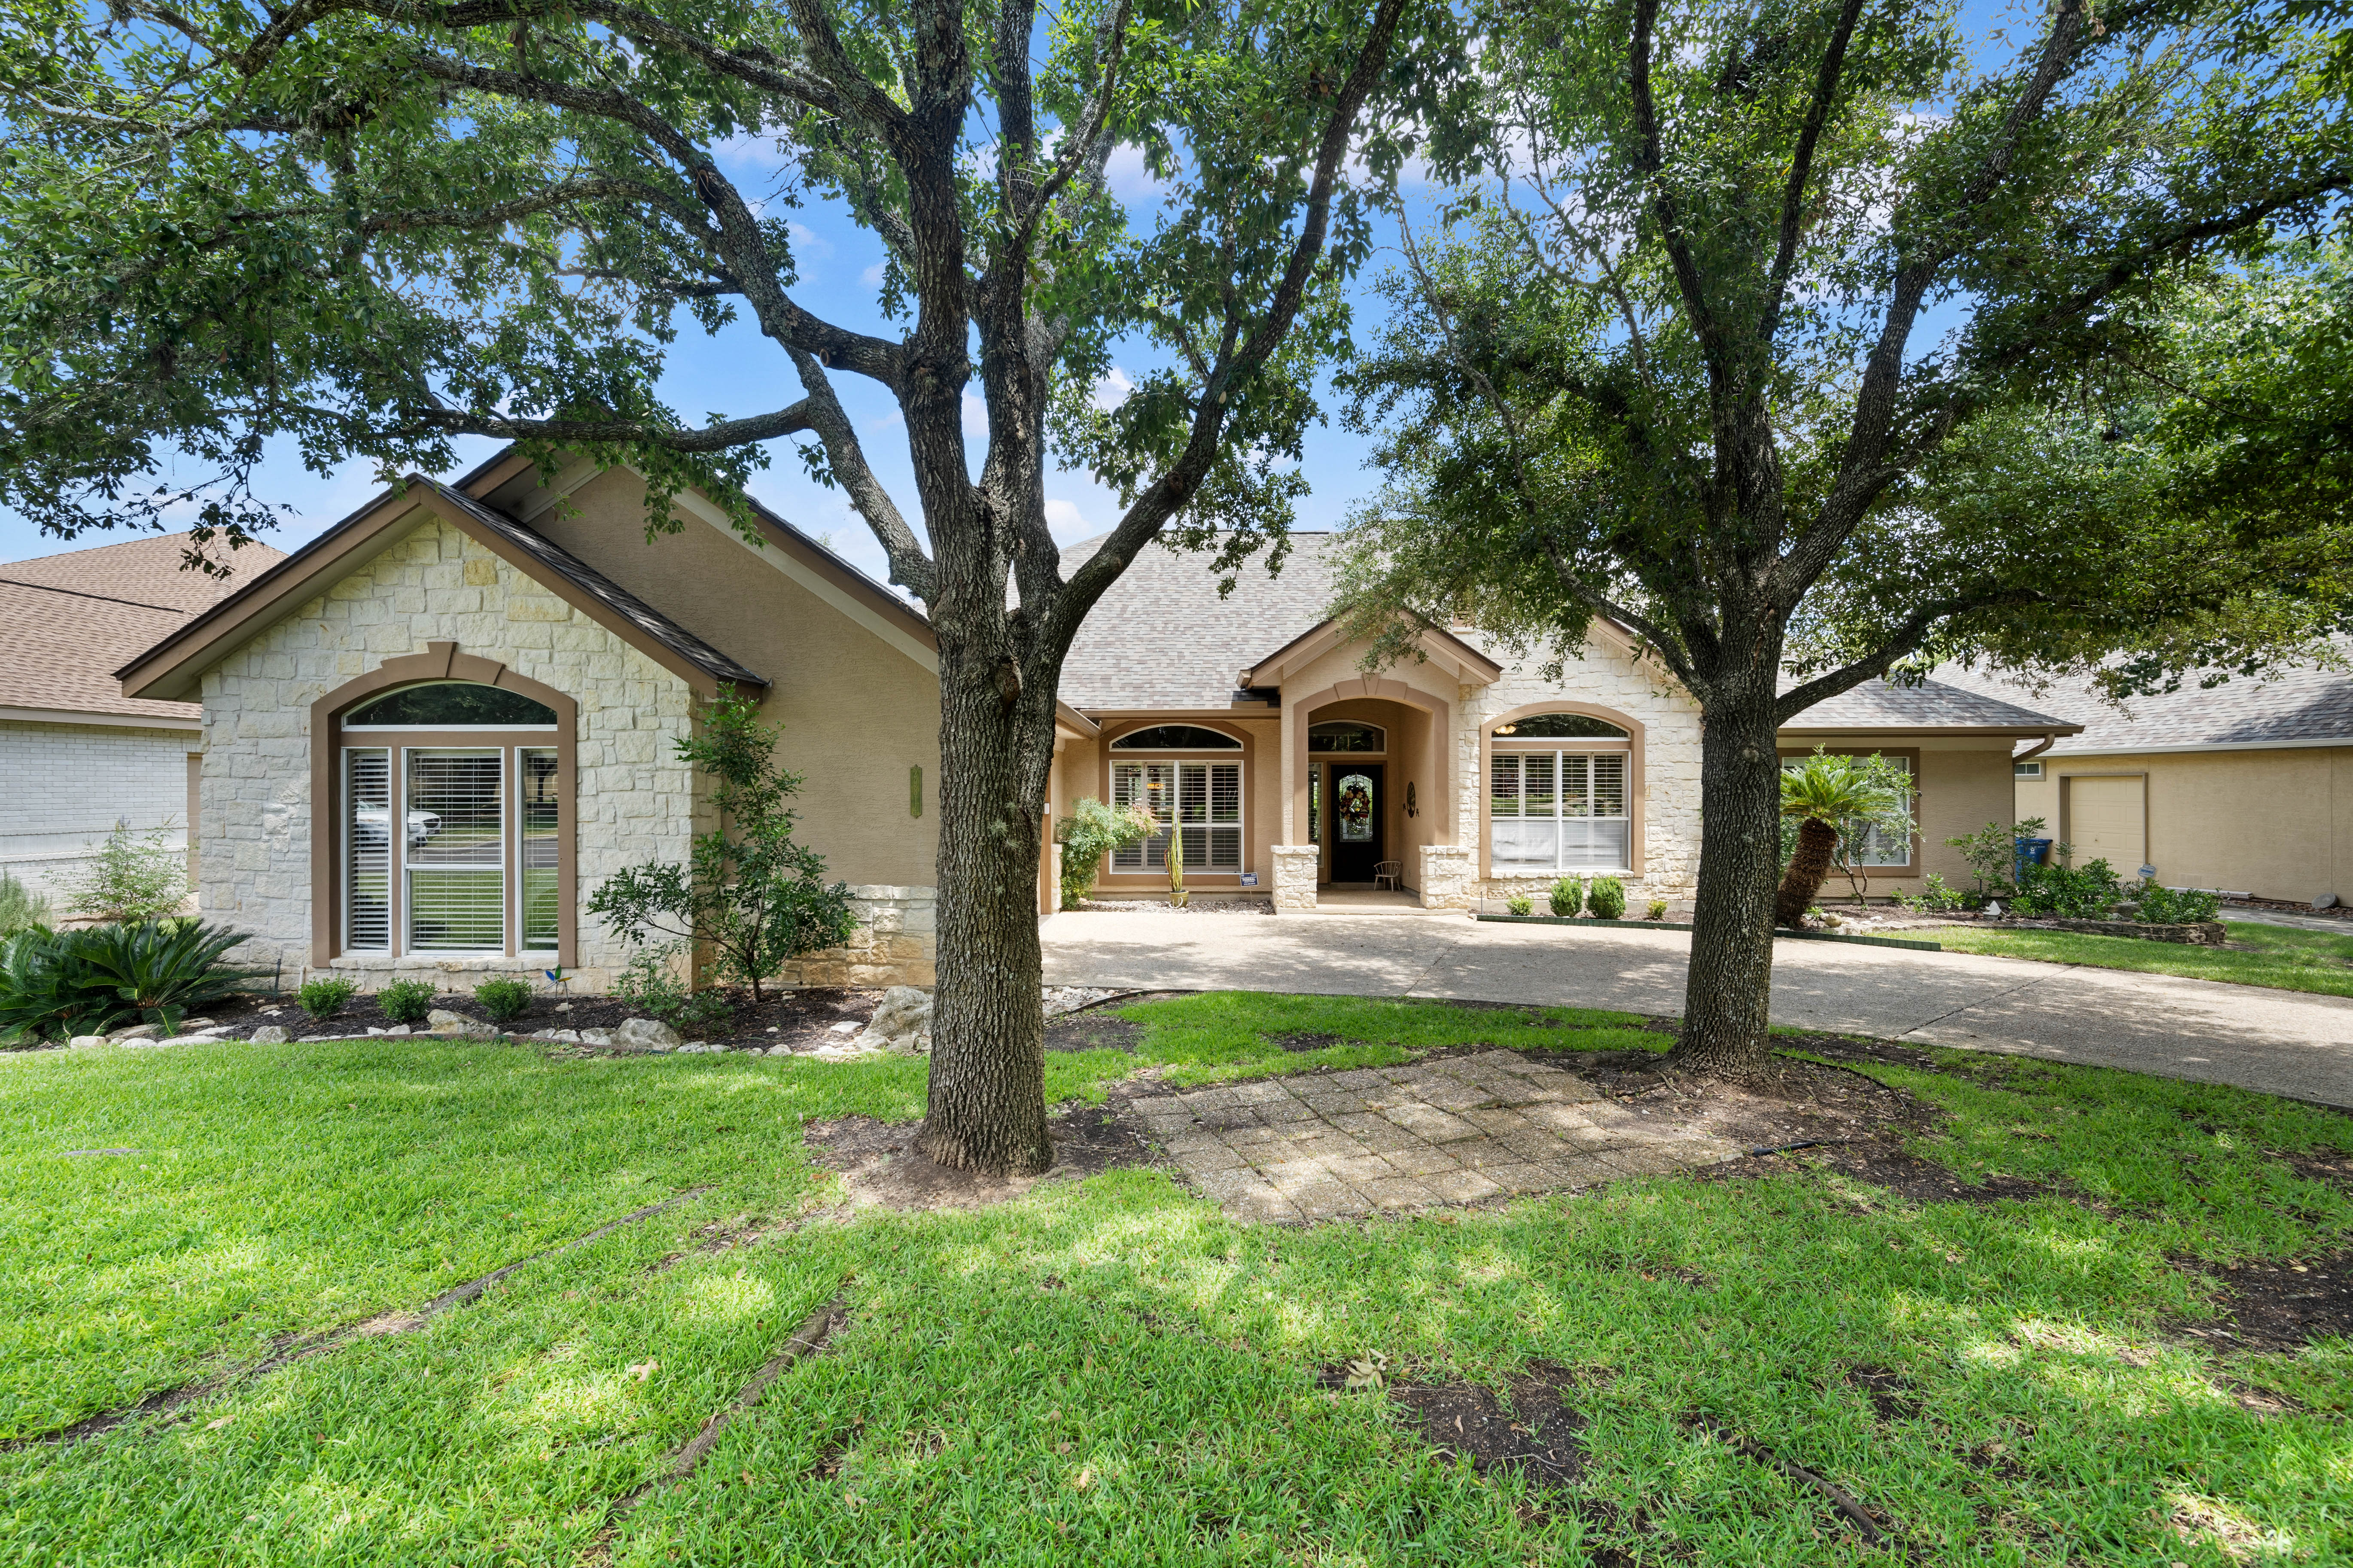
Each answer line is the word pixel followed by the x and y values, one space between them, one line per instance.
pixel 2107 820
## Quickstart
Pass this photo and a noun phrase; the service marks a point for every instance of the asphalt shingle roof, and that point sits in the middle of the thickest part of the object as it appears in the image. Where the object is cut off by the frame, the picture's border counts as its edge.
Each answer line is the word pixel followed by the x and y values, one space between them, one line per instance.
pixel 66 621
pixel 2296 705
pixel 1162 639
pixel 1884 705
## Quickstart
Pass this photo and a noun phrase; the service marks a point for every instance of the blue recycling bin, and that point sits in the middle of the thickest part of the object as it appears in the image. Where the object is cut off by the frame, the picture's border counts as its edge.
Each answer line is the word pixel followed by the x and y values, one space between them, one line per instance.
pixel 2032 852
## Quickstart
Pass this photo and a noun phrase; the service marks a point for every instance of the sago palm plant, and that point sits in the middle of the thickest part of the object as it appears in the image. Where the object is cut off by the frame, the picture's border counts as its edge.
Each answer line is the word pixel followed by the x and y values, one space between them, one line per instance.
pixel 1823 793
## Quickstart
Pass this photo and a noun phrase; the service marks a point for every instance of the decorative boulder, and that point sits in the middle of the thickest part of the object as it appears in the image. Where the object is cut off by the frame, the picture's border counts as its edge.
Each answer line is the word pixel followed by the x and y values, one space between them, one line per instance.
pixel 648 1034
pixel 268 1034
pixel 595 1036
pixel 135 1032
pixel 457 1026
pixel 902 1024
pixel 2326 901
pixel 84 1042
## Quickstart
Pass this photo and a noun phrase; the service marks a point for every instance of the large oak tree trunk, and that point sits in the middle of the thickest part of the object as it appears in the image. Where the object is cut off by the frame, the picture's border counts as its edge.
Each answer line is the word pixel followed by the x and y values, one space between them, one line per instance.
pixel 987 1110
pixel 1810 868
pixel 1727 997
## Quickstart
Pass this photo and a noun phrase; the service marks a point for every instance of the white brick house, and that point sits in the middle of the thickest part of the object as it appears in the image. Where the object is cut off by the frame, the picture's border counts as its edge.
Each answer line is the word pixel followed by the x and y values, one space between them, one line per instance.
pixel 77 756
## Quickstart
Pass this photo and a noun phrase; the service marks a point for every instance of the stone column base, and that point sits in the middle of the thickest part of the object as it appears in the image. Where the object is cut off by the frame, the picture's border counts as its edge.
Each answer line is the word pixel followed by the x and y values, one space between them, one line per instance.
pixel 1446 880
pixel 1294 878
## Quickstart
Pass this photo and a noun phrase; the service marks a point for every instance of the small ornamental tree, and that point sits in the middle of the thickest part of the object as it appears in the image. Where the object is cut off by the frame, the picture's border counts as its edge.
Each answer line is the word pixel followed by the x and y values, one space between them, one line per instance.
pixel 1834 800
pixel 131 877
pixel 1091 832
pixel 752 894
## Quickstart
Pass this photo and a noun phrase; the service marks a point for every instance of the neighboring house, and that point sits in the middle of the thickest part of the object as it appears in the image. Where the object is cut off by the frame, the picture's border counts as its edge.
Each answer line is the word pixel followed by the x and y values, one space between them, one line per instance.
pixel 77 756
pixel 2246 787
pixel 429 733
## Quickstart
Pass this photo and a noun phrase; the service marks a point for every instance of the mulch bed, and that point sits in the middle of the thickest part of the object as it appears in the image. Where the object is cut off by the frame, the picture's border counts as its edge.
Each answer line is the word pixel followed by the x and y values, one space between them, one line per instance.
pixel 2281 1307
pixel 1535 1434
pixel 884 1167
pixel 800 1020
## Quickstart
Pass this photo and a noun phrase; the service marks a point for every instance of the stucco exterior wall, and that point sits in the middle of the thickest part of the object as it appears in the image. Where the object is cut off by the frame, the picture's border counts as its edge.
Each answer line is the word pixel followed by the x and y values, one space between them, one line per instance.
pixel 1965 783
pixel 634 801
pixel 63 786
pixel 2275 823
pixel 859 709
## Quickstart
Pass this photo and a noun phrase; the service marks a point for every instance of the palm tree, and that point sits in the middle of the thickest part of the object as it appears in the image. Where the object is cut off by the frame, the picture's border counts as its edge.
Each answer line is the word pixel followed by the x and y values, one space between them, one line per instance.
pixel 1823 793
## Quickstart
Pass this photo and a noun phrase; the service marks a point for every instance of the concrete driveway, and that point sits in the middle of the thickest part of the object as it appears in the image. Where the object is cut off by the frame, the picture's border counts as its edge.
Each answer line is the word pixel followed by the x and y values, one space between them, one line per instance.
pixel 2281 1042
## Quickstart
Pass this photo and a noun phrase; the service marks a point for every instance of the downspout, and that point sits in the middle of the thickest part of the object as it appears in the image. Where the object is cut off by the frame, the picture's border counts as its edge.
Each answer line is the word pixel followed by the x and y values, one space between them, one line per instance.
pixel 2032 752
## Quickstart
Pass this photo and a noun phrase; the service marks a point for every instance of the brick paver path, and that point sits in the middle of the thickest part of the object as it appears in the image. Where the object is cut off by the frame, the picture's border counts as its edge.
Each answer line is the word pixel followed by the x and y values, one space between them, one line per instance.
pixel 1453 1131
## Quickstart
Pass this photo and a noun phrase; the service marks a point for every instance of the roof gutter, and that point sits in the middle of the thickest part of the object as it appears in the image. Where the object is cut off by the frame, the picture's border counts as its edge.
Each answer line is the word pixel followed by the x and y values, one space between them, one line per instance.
pixel 2037 748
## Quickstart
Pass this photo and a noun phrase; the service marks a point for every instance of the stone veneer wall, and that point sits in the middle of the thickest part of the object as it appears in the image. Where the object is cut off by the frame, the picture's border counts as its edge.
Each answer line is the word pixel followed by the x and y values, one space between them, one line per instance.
pixel 896 942
pixel 1607 678
pixel 634 803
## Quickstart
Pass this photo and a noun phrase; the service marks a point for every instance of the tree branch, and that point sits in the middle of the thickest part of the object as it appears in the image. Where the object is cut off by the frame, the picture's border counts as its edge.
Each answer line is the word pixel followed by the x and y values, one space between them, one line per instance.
pixel 845 458
pixel 1907 637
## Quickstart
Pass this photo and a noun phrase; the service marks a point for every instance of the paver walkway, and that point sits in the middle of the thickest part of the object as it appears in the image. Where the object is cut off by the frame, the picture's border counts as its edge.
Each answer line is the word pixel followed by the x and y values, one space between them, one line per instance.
pixel 2281 1042
pixel 1449 1130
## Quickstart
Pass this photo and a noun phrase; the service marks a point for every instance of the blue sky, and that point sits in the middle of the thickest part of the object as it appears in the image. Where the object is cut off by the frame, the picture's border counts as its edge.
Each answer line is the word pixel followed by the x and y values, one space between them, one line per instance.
pixel 738 372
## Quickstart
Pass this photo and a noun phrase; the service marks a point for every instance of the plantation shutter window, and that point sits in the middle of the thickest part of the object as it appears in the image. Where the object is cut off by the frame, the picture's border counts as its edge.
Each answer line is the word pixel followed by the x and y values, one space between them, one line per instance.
pixel 454 823
pixel 1550 811
pixel 1198 807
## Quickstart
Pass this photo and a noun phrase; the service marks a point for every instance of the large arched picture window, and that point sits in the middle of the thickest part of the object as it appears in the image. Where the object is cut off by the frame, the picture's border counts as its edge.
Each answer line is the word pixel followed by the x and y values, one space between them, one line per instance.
pixel 1196 806
pixel 450 812
pixel 1559 796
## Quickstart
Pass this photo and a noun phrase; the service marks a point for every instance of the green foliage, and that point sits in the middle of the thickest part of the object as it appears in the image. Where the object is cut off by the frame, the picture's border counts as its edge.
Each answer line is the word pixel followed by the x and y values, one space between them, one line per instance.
pixel 504 999
pixel 2067 892
pixel 20 907
pixel 406 1001
pixel 1089 836
pixel 2315 963
pixel 1935 896
pixel 54 985
pixel 1657 912
pixel 752 893
pixel 1991 852
pixel 650 983
pixel 1566 896
pixel 132 877
pixel 1606 900
pixel 1520 904
pixel 2164 906
pixel 325 997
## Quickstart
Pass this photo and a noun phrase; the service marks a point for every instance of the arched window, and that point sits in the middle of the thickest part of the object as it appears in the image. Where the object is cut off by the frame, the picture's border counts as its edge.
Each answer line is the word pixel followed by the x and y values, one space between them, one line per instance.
pixel 451 817
pixel 1560 790
pixel 1559 726
pixel 451 705
pixel 1176 738
pixel 1347 735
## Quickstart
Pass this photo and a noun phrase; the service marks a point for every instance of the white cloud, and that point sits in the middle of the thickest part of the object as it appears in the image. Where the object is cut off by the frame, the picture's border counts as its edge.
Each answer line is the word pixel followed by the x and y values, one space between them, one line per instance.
pixel 1111 389
pixel 975 414
pixel 1126 175
pixel 1065 522
pixel 807 243
pixel 872 276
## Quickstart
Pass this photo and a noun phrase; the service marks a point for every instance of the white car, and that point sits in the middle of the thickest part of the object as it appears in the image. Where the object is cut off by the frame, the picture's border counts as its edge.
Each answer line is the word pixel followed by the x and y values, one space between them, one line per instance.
pixel 371 820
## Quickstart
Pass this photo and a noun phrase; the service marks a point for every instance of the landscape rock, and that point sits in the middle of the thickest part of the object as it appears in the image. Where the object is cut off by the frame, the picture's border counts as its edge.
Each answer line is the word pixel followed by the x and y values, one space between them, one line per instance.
pixel 648 1034
pixel 84 1042
pixel 595 1036
pixel 457 1026
pixel 135 1032
pixel 2327 901
pixel 902 1024
pixel 268 1034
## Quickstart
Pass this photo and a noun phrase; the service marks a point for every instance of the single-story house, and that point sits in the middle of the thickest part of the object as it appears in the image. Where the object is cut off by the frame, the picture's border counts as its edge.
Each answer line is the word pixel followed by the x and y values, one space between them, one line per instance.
pixel 77 756
pixel 431 731
pixel 2245 787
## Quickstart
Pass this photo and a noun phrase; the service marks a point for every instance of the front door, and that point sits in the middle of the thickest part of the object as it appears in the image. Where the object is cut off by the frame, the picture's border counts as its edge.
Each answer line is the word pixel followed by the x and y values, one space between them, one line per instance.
pixel 1353 819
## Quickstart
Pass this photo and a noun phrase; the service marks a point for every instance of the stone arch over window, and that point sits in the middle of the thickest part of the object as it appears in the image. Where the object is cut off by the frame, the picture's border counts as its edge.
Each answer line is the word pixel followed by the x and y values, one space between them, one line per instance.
pixel 1635 780
pixel 479 779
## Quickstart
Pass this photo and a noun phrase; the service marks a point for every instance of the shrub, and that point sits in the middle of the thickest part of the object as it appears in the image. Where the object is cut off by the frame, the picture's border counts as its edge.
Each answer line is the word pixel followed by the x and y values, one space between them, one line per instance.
pixel 1091 833
pixel 503 1000
pixel 756 895
pixel 1568 896
pixel 21 908
pixel 1991 852
pixel 1657 912
pixel 131 878
pixel 1934 896
pixel 650 985
pixel 322 999
pixel 406 1001
pixel 2164 906
pixel 54 985
pixel 2068 892
pixel 1521 904
pixel 1606 900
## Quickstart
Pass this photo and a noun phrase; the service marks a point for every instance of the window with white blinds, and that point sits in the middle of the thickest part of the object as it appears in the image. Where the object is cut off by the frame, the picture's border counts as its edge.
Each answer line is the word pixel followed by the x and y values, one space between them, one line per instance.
pixel 452 850
pixel 1559 811
pixel 1198 804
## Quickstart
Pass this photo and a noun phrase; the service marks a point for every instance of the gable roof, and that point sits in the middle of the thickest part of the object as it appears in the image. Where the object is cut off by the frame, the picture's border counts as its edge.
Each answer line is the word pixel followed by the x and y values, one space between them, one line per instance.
pixel 67 620
pixel 171 667
pixel 1882 706
pixel 2289 707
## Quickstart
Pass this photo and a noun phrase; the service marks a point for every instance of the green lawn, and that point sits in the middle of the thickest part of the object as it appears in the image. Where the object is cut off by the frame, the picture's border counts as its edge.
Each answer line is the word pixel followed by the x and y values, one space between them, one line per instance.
pixel 1109 1372
pixel 2282 956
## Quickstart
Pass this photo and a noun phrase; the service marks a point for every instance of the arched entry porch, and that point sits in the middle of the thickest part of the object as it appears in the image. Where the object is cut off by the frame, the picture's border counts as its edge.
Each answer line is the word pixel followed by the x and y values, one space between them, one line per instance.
pixel 1368 790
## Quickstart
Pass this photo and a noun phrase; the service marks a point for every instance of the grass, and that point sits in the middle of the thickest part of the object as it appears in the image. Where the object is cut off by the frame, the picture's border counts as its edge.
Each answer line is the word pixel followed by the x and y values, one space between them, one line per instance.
pixel 2285 957
pixel 1109 1372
